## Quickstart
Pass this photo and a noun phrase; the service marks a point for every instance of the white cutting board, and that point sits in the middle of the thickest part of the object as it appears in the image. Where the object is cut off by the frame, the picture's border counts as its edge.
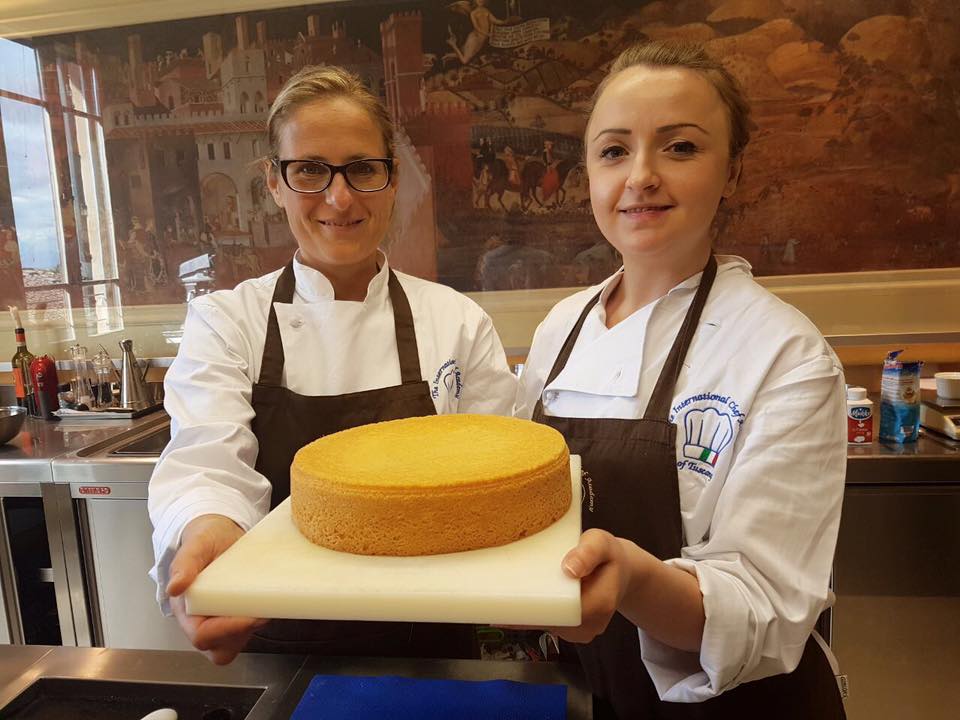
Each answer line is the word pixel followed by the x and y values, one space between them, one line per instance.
pixel 275 572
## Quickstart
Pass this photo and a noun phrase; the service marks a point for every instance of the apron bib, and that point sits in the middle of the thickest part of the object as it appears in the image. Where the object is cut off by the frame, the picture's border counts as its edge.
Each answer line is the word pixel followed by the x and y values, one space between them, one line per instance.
pixel 286 421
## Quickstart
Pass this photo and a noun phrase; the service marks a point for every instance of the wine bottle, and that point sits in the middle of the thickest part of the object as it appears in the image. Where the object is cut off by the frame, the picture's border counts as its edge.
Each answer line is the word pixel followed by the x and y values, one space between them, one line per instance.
pixel 21 367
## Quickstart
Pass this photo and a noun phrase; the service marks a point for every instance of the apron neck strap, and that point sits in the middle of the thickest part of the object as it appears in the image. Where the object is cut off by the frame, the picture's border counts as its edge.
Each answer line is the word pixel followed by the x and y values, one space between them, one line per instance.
pixel 271 364
pixel 406 334
pixel 561 362
pixel 659 406
pixel 272 361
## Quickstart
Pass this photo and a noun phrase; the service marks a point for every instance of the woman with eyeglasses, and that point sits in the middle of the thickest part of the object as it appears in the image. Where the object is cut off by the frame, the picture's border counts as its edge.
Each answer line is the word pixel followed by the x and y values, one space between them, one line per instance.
pixel 334 339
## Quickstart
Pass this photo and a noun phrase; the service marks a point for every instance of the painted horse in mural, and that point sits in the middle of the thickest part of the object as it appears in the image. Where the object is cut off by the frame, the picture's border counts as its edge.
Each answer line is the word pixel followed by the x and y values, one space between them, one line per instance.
pixel 492 178
pixel 537 185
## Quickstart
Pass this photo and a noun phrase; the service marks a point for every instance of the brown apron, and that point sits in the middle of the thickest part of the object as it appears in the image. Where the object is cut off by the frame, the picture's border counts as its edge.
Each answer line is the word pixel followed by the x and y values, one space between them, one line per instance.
pixel 284 422
pixel 631 467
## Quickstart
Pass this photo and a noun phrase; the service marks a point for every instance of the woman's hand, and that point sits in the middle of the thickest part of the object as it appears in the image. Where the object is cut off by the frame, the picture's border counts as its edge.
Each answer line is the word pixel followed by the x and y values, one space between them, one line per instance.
pixel 204 539
pixel 600 562
pixel 617 575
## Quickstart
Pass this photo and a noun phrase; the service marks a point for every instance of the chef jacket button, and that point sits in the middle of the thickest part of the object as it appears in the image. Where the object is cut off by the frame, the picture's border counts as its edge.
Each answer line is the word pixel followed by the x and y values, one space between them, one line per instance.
pixel 296 322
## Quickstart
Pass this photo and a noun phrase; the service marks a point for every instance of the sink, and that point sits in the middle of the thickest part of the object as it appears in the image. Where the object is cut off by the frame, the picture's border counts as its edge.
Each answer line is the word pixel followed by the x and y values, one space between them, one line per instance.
pixel 154 432
pixel 148 445
pixel 81 699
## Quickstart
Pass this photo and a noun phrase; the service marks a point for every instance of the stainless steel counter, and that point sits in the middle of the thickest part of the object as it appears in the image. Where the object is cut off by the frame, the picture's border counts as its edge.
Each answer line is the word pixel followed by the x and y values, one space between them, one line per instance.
pixel 282 678
pixel 26 458
pixel 27 491
pixel 933 460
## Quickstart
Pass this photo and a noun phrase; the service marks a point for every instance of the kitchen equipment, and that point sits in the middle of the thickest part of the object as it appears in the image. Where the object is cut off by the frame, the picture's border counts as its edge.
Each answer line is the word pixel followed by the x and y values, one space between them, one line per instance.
pixel 275 572
pixel 69 698
pixel 11 420
pixel 948 385
pixel 147 446
pixel 940 414
pixel 198 275
pixel 107 413
pixel 105 373
pixel 134 392
pixel 80 384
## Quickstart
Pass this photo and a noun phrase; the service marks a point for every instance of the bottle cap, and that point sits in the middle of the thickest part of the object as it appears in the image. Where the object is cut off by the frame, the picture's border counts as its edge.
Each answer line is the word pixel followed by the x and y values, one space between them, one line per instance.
pixel 856 393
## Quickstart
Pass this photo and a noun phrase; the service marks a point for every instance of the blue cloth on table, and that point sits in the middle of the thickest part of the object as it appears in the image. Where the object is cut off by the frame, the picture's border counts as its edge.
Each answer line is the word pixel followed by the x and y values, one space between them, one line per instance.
pixel 345 697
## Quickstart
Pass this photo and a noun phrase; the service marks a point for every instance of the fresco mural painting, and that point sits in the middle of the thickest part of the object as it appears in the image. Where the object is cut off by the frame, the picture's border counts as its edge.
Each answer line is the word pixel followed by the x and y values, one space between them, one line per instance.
pixel 854 165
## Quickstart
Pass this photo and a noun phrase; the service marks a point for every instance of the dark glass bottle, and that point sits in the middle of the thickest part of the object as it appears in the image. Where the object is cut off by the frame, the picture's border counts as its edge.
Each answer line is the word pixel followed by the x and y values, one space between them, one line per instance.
pixel 21 373
pixel 43 373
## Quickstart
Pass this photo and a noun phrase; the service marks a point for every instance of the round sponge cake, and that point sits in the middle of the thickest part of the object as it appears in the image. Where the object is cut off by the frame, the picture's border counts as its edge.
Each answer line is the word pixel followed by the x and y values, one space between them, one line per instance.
pixel 430 485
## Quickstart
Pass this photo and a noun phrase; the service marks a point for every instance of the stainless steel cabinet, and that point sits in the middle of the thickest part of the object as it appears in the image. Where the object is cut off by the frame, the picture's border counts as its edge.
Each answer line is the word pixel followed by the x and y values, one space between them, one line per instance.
pixel 896 622
pixel 103 500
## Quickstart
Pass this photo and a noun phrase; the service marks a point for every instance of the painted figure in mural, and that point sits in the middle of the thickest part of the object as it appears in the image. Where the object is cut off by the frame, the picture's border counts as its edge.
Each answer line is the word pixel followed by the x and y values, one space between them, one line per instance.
pixel 551 178
pixel 790 251
pixel 709 418
pixel 483 22
pixel 334 339
pixel 545 177
pixel 154 265
pixel 765 250
pixel 493 176
pixel 157 265
pixel 207 241
pixel 135 257
pixel 9 247
pixel 487 153
pixel 513 168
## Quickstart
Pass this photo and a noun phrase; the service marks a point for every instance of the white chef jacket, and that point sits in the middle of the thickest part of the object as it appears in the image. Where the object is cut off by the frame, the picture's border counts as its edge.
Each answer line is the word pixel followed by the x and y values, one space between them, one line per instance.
pixel 331 347
pixel 761 458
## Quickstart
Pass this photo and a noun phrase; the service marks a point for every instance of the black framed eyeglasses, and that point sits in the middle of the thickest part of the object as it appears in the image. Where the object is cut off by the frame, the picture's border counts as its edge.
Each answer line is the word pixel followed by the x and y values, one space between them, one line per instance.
pixel 313 176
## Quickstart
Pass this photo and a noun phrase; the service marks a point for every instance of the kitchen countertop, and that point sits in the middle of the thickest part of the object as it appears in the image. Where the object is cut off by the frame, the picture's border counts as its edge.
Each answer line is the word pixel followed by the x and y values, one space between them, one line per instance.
pixel 27 458
pixel 80 449
pixel 284 678
pixel 932 460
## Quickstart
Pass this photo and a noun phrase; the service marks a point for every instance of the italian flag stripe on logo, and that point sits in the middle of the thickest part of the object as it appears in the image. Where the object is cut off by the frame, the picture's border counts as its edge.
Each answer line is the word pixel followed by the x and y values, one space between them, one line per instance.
pixel 708 455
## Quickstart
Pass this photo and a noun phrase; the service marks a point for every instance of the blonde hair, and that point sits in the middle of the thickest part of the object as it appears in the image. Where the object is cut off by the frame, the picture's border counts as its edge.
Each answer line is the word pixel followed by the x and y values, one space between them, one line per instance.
pixel 691 56
pixel 325 82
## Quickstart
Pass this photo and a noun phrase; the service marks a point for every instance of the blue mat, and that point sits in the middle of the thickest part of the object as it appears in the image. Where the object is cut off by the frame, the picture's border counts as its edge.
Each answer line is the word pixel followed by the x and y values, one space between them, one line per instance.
pixel 344 697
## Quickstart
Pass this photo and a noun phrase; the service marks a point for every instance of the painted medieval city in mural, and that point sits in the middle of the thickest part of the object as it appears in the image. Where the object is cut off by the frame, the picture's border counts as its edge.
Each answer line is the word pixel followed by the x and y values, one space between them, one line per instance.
pixel 854 162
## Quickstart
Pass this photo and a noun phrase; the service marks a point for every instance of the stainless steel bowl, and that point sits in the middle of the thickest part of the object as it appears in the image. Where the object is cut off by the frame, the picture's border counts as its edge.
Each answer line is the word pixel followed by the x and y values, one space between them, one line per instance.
pixel 11 421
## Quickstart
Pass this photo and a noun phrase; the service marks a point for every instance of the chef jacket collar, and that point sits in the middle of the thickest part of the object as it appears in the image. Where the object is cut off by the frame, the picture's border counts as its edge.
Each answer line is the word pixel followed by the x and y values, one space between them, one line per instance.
pixel 589 370
pixel 313 286
pixel 724 262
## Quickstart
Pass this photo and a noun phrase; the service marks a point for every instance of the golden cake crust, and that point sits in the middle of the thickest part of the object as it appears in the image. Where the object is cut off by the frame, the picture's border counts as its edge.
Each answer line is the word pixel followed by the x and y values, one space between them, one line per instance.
pixel 430 485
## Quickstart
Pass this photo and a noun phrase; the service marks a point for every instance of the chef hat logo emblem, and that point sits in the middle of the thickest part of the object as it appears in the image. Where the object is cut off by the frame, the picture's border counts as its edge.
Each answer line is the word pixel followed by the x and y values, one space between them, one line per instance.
pixel 708 432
